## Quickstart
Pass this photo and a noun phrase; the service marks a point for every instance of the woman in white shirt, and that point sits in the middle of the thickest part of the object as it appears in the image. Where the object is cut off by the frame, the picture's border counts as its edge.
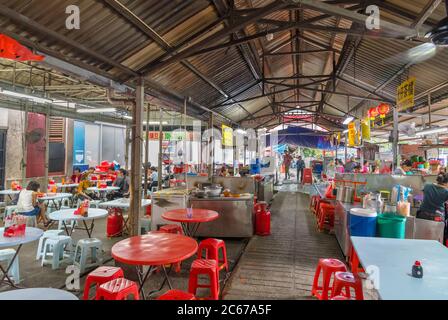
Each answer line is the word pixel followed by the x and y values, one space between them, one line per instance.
pixel 28 205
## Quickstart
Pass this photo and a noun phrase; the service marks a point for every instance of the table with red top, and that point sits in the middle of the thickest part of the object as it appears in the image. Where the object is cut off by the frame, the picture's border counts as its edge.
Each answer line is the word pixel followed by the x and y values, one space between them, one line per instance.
pixel 154 249
pixel 190 225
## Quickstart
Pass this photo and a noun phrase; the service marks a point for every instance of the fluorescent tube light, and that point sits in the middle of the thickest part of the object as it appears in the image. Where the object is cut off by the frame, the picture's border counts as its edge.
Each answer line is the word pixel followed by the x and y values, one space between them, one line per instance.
pixel 154 122
pixel 348 120
pixel 241 131
pixel 96 110
pixel 431 131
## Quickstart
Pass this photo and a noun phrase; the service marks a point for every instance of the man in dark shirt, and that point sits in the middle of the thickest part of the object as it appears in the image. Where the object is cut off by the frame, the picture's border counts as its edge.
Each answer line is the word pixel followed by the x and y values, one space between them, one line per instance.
pixel 434 197
pixel 121 182
pixel 300 166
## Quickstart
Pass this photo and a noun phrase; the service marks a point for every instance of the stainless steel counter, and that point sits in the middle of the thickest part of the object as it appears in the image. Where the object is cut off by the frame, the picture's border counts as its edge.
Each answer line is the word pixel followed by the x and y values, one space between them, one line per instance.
pixel 236 216
pixel 265 190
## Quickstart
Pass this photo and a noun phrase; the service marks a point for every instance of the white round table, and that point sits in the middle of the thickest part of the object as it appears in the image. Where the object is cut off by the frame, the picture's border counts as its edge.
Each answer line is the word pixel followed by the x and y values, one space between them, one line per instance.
pixel 107 189
pixel 67 185
pixel 56 199
pixel 37 294
pixel 69 215
pixel 9 193
pixel 31 235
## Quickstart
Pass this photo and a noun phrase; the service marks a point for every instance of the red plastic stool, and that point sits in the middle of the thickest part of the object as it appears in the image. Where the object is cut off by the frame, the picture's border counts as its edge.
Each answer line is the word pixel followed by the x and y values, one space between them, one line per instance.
pixel 313 203
pixel 207 267
pixel 354 262
pixel 340 298
pixel 347 280
pixel 176 295
pixel 211 247
pixel 99 276
pixel 328 267
pixel 326 211
pixel 176 229
pixel 117 289
pixel 171 228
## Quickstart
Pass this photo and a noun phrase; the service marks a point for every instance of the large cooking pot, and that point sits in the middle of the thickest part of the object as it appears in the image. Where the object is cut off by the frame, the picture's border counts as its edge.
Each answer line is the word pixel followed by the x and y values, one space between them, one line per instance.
pixel 340 193
pixel 213 190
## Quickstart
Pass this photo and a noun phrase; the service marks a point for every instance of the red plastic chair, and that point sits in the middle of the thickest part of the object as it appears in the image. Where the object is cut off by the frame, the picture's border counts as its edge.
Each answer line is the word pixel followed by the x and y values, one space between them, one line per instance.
pixel 171 228
pixel 99 276
pixel 211 247
pixel 117 289
pixel 176 295
pixel 347 280
pixel 175 229
pixel 326 212
pixel 327 267
pixel 209 268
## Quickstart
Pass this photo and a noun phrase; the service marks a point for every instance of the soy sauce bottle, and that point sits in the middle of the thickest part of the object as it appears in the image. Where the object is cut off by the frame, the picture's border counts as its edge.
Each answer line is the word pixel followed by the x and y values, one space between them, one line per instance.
pixel 417 270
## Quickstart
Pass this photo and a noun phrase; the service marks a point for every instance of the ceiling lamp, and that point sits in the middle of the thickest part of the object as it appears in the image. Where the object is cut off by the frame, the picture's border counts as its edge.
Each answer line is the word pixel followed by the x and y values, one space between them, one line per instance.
pixel 96 110
pixel 431 131
pixel 348 120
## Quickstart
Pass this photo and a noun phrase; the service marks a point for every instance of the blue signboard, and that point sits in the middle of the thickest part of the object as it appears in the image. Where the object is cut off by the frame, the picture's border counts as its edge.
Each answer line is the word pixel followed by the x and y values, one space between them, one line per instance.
pixel 79 155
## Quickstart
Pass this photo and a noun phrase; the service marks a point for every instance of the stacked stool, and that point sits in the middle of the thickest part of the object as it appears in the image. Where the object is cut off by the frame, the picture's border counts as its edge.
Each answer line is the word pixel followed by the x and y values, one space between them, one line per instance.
pixel 204 267
pixel 47 234
pixel 57 249
pixel 328 267
pixel 100 276
pixel 6 255
pixel 325 212
pixel 83 248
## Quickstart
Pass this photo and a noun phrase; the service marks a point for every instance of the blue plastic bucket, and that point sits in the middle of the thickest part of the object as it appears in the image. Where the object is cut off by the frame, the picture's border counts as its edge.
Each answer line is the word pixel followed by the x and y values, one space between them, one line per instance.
pixel 362 222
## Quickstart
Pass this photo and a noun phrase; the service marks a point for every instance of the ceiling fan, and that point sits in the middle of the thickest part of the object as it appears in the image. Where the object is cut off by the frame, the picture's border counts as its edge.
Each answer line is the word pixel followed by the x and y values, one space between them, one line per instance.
pixel 437 40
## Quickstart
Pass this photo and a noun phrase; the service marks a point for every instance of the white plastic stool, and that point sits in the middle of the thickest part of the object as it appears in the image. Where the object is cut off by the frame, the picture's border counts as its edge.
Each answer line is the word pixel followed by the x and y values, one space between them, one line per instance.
pixel 55 251
pixel 10 210
pixel 6 255
pixel 145 224
pixel 95 246
pixel 47 234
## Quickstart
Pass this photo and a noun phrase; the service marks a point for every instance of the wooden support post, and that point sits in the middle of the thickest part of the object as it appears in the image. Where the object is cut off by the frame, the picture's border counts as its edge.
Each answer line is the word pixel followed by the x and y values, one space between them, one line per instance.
pixel 47 147
pixel 160 166
pixel 126 152
pixel 136 160
pixel 146 150
pixel 24 146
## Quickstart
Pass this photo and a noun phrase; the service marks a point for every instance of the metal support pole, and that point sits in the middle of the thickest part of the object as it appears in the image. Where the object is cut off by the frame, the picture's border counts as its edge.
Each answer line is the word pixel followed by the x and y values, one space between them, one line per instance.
pixel 159 165
pixel 429 109
pixel 146 150
pixel 126 152
pixel 136 160
pixel 47 147
pixel 185 140
pixel 24 146
pixel 395 139
pixel 211 143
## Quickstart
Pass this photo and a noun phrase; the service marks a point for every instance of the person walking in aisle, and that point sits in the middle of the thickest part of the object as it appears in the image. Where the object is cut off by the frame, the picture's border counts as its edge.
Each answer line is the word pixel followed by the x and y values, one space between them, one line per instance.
pixel 300 166
pixel 287 158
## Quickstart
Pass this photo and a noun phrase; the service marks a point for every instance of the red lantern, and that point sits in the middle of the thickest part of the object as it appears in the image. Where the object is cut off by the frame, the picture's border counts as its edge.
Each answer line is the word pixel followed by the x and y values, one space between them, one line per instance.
pixel 383 109
pixel 13 50
pixel 373 112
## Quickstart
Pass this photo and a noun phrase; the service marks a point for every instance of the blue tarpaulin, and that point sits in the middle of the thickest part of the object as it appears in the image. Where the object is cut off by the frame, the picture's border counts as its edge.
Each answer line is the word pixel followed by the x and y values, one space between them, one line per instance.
pixel 303 137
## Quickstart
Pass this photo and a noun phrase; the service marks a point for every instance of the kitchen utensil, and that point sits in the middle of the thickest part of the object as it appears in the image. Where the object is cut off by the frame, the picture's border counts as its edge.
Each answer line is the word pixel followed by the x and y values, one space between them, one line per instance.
pixel 348 194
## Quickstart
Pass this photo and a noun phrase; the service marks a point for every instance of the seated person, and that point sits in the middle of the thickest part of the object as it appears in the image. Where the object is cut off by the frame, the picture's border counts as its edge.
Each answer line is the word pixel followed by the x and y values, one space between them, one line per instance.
pixel 405 168
pixel 122 182
pixel 28 205
pixel 84 183
pixel 154 177
pixel 76 176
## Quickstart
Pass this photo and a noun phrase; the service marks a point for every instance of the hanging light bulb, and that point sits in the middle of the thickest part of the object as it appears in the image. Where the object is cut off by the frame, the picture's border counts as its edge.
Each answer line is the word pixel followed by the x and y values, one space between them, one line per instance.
pixel 270 36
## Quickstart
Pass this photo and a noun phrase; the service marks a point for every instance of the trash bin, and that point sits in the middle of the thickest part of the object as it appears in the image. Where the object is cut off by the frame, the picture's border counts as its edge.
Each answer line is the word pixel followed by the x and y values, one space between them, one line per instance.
pixel 362 222
pixel 391 226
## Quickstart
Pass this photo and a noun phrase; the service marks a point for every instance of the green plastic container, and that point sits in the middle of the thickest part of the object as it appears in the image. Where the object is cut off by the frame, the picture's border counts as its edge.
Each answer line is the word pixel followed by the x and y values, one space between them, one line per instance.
pixel 391 226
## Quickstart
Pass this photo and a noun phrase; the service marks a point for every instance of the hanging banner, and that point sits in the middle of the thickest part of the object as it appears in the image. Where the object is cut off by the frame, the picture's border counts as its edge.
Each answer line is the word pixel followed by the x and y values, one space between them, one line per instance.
pixel 351 134
pixel 406 93
pixel 365 129
pixel 227 136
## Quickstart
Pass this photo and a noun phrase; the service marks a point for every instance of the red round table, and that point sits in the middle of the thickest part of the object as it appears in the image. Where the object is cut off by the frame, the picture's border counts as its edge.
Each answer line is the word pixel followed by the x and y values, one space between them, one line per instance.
pixel 154 249
pixel 190 225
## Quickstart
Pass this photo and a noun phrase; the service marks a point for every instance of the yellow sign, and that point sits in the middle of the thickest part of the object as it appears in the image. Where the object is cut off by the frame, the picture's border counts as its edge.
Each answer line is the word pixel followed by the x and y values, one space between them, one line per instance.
pixel 365 129
pixel 227 136
pixel 406 93
pixel 351 134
